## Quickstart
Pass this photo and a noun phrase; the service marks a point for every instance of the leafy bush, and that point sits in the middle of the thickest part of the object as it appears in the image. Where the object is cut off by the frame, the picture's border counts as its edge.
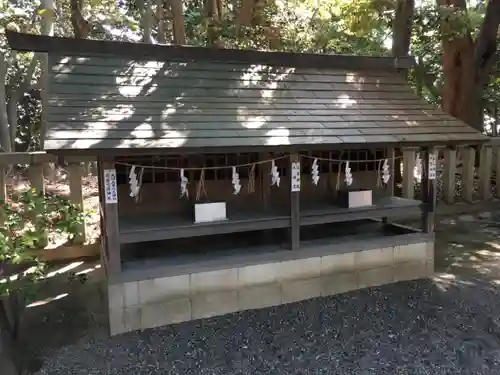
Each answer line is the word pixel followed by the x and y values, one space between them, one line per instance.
pixel 25 222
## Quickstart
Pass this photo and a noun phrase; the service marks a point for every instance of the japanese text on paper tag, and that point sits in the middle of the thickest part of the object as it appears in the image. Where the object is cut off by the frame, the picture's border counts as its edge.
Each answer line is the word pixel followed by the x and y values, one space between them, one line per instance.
pixel 432 165
pixel 110 187
pixel 295 176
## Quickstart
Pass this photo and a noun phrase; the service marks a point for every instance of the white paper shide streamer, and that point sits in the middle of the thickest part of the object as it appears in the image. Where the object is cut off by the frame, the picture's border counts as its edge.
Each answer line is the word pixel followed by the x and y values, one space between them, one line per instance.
pixel 275 175
pixel 315 172
pixel 386 175
pixel 133 180
pixel 184 182
pixel 417 171
pixel 236 182
pixel 348 174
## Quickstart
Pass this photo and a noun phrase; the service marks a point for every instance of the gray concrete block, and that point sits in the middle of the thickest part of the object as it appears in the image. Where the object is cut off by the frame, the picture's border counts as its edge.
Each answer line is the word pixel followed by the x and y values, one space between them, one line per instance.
pixel 300 269
pixel 160 289
pixel 375 258
pixel 206 305
pixel 258 274
pixel 298 290
pixel 214 281
pixel 337 263
pixel 339 283
pixel 167 312
pixel 376 277
pixel 260 296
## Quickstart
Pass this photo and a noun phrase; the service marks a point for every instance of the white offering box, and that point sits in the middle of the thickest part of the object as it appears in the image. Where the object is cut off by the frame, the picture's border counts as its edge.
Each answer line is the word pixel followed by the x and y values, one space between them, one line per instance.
pixel 208 212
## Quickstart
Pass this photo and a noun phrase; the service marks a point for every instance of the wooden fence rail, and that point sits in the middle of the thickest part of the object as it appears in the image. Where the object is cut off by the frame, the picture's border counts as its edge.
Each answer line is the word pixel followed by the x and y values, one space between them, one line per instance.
pixel 460 177
pixel 35 163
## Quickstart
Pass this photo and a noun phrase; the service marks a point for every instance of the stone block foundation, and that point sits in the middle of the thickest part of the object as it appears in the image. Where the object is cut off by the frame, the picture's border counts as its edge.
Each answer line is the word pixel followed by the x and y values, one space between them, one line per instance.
pixel 195 295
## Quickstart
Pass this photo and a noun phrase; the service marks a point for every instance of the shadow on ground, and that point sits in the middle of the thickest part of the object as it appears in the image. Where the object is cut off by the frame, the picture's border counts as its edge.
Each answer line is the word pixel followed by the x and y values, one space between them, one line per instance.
pixel 447 325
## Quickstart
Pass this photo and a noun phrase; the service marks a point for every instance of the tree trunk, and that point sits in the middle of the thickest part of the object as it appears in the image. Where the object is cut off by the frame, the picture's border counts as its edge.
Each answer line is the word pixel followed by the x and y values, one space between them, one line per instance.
pixel 81 27
pixel 403 24
pixel 5 141
pixel 178 27
pixel 160 16
pixel 147 21
pixel 10 361
pixel 467 65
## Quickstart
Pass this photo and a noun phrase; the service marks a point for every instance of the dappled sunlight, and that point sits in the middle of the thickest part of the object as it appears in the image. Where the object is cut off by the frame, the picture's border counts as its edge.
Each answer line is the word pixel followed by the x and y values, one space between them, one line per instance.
pixel 67 62
pixel 490 254
pixel 278 136
pixel 169 111
pixel 268 78
pixel 494 245
pixel 355 80
pixel 139 74
pixel 47 300
pixel 88 270
pixel 344 101
pixel 63 269
pixel 252 122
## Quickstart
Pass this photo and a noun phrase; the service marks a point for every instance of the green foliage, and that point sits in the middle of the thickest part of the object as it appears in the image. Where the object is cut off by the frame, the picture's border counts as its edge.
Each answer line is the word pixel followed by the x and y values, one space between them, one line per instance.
pixel 26 220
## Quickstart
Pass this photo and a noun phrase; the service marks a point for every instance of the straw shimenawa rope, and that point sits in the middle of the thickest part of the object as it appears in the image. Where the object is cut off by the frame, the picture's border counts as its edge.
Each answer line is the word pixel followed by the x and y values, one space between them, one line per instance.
pixel 200 191
pixel 251 179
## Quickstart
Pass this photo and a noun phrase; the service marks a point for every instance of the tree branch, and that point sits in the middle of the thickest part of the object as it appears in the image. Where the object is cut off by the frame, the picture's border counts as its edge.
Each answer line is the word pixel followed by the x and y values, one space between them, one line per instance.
pixel 16 96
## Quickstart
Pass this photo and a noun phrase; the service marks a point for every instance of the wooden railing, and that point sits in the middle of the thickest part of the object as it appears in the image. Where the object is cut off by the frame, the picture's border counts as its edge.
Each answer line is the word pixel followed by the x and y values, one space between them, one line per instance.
pixel 33 165
pixel 461 176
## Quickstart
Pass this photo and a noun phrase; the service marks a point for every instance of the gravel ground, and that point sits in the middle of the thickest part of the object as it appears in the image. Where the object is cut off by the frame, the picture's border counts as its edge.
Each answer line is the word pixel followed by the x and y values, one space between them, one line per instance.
pixel 447 325
pixel 407 328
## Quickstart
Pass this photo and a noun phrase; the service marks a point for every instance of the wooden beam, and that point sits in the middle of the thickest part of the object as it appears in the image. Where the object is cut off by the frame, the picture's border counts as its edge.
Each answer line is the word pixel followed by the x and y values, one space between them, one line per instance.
pixel 408 167
pixel 75 172
pixel 450 169
pixel 497 170
pixel 485 173
pixel 294 205
pixel 3 183
pixel 109 205
pixel 429 161
pixel 468 162
pixel 141 51
pixel 37 157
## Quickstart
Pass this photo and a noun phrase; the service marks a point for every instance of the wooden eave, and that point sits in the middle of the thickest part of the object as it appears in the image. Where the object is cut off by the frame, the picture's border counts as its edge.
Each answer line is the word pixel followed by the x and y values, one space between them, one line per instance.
pixel 143 51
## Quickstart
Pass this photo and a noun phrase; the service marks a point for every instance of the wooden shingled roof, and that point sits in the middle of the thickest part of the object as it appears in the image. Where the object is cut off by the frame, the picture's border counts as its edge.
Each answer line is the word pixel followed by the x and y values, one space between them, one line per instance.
pixel 197 97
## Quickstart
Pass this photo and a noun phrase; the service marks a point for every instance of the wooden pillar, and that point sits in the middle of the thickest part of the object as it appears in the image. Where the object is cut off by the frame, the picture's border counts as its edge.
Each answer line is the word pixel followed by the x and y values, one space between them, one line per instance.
pixel 35 174
pixel 408 167
pixel 468 162
pixel 497 171
pixel 36 178
pixel 485 173
pixel 265 186
pixel 450 169
pixel 109 206
pixel 295 201
pixel 3 183
pixel 429 161
pixel 75 172
pixel 393 164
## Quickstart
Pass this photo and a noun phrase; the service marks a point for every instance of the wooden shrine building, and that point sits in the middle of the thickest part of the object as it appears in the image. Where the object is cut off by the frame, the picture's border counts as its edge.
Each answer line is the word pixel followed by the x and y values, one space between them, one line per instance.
pixel 234 180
